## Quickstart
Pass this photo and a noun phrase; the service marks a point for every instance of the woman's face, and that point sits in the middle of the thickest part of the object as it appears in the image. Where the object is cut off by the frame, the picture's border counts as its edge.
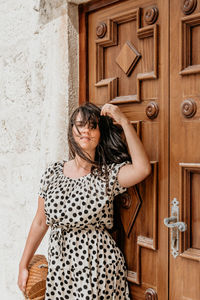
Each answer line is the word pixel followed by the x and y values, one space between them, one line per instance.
pixel 87 135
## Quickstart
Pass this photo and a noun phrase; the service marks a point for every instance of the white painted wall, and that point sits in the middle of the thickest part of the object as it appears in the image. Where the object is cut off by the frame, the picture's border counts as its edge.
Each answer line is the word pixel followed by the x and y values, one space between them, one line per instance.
pixel 38 90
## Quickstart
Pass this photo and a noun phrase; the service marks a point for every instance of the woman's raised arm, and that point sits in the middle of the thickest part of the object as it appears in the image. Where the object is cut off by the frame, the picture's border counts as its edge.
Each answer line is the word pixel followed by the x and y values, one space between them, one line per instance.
pixel 140 168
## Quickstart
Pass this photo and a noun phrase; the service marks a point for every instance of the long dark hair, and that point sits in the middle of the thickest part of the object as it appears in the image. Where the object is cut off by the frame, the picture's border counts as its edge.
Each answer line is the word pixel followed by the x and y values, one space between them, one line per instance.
pixel 111 148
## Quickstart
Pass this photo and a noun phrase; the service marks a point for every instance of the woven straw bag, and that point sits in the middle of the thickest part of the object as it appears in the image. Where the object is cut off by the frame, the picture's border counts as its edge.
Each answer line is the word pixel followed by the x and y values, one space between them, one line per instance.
pixel 36 283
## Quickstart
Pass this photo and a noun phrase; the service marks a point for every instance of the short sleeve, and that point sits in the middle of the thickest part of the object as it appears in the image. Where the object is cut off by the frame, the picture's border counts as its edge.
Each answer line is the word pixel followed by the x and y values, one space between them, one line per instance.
pixel 45 180
pixel 115 187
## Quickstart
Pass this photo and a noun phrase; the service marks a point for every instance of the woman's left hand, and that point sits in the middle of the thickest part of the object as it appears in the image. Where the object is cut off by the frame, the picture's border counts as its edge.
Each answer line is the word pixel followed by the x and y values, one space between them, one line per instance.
pixel 114 112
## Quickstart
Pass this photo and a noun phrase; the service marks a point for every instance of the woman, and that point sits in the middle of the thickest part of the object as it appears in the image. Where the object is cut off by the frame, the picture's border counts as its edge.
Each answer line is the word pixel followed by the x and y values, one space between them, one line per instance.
pixel 76 201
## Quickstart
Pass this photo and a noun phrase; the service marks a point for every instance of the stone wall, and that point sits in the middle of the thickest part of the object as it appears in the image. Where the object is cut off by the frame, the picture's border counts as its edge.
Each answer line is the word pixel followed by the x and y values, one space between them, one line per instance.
pixel 38 90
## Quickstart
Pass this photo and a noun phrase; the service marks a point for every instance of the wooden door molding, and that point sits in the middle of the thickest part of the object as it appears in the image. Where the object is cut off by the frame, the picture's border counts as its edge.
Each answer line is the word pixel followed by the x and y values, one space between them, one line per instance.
pixel 110 25
pixel 127 51
pixel 142 240
pixel 188 30
pixel 189 182
pixel 96 4
pixel 84 10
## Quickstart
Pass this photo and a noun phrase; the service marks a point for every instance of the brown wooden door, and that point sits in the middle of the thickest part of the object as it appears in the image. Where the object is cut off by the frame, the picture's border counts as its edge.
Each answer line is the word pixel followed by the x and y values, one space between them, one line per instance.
pixel 185 145
pixel 131 55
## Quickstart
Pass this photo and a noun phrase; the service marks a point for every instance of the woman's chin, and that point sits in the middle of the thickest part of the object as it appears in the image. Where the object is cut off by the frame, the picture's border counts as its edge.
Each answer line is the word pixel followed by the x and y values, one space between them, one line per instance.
pixel 87 148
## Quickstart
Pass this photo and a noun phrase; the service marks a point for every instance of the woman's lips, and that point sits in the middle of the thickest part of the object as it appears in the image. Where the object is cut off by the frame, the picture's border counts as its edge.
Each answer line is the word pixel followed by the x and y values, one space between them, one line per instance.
pixel 85 138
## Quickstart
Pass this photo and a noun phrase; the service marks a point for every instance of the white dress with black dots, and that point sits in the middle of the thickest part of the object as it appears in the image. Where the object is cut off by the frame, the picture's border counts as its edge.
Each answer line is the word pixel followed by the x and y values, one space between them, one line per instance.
pixel 84 261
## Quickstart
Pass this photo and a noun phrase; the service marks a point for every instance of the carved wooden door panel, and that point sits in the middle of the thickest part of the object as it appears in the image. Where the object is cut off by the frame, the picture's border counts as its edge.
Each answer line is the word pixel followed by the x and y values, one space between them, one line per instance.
pixel 185 147
pixel 124 61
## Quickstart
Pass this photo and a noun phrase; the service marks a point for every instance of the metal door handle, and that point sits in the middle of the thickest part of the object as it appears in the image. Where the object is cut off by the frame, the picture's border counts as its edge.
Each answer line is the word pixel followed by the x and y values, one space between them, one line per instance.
pixel 175 226
pixel 180 225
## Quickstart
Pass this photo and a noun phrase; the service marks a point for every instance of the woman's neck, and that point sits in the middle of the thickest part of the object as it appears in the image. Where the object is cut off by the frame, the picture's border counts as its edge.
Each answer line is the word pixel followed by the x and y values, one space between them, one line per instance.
pixel 80 163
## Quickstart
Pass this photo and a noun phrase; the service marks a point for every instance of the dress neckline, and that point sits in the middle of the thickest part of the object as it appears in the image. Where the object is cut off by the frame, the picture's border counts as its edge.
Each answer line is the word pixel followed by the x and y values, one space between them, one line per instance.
pixel 71 178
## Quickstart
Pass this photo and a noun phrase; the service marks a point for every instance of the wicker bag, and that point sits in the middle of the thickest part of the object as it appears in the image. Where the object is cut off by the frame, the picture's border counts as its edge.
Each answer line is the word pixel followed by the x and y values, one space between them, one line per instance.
pixel 36 283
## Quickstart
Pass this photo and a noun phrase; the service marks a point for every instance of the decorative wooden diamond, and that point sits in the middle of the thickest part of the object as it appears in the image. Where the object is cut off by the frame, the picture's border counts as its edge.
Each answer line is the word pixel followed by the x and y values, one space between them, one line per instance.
pixel 128 58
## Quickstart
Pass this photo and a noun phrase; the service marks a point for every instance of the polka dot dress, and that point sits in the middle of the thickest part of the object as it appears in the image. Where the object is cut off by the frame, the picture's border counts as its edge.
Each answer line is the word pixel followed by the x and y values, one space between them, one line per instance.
pixel 84 261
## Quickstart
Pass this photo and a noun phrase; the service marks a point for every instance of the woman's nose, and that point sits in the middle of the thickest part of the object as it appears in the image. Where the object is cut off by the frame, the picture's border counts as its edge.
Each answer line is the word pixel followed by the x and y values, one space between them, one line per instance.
pixel 86 128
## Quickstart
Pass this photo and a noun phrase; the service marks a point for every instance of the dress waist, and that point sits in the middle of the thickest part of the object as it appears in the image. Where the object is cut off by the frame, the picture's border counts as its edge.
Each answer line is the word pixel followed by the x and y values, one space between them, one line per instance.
pixel 58 233
pixel 67 228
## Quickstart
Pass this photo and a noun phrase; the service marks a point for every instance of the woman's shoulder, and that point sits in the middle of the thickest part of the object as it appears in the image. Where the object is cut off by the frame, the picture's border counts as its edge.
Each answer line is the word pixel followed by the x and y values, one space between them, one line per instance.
pixel 113 166
pixel 54 165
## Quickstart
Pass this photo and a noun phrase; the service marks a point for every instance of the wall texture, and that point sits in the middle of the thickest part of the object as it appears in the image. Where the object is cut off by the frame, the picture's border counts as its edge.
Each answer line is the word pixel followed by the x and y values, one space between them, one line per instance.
pixel 38 90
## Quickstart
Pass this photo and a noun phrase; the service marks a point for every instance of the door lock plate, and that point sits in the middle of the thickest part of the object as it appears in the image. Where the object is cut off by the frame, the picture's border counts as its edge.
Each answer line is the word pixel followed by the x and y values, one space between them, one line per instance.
pixel 175 225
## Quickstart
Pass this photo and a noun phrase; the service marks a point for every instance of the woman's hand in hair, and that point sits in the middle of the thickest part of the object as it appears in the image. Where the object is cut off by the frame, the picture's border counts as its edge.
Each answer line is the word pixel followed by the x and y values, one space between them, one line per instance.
pixel 113 112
